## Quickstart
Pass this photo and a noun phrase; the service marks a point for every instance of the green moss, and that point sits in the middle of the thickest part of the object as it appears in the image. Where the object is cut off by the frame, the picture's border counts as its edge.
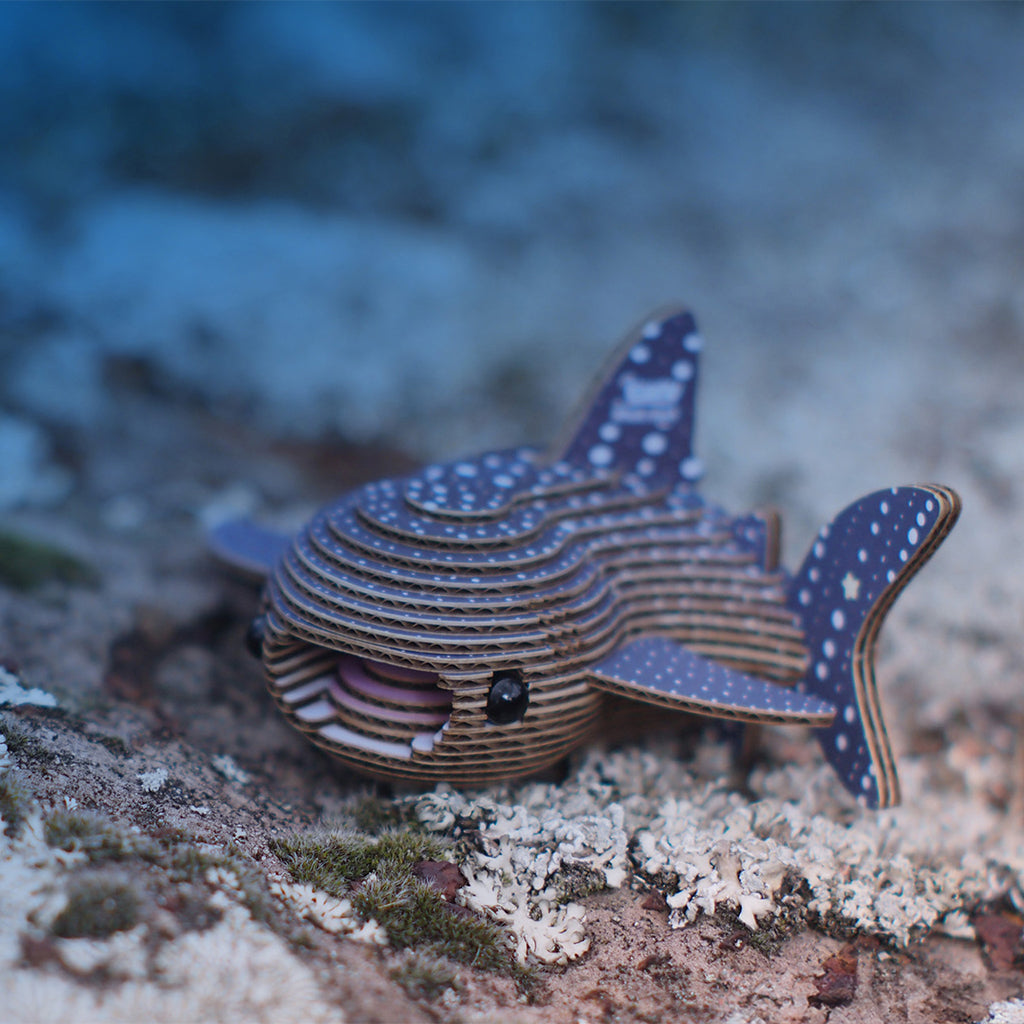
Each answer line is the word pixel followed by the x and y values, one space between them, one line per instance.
pixel 254 894
pixel 373 815
pixel 770 938
pixel 95 836
pixel 98 907
pixel 425 977
pixel 835 926
pixel 101 840
pixel 175 851
pixel 414 915
pixel 772 933
pixel 171 835
pixel 411 912
pixel 577 880
pixel 16 798
pixel 187 862
pixel 172 859
pixel 25 564
pixel 16 739
pixel 250 882
pixel 23 743
pixel 332 861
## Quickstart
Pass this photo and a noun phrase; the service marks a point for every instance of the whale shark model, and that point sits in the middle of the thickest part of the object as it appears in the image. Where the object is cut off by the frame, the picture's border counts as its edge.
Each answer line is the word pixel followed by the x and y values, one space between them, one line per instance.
pixel 469 623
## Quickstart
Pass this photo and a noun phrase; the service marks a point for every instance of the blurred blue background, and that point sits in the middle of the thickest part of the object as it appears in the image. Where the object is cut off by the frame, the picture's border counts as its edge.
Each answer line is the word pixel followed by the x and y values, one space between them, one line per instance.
pixel 425 224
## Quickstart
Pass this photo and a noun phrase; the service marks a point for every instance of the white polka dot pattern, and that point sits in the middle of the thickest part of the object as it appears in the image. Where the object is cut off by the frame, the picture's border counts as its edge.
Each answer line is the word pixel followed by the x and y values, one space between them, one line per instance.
pixel 661 671
pixel 849 580
pixel 641 419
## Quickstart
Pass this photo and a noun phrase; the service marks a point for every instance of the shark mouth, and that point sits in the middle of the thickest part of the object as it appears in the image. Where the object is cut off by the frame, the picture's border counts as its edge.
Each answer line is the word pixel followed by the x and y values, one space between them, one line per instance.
pixel 386 710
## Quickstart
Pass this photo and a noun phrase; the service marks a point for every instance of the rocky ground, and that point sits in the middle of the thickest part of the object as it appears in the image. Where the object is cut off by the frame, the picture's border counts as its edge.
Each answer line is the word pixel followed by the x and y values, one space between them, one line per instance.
pixel 129 696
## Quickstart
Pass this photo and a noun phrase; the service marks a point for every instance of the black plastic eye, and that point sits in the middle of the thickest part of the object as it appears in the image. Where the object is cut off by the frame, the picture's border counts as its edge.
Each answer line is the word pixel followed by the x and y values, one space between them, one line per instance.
pixel 254 636
pixel 508 700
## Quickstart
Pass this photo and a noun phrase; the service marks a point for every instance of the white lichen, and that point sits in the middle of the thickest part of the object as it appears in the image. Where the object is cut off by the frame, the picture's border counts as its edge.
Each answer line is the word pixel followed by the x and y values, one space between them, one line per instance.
pixel 800 847
pixel 523 848
pixel 13 694
pixel 546 932
pixel 236 970
pixel 224 879
pixel 371 933
pixel 872 872
pixel 1009 1012
pixel 152 781
pixel 957 925
pixel 30 885
pixel 122 956
pixel 225 765
pixel 331 913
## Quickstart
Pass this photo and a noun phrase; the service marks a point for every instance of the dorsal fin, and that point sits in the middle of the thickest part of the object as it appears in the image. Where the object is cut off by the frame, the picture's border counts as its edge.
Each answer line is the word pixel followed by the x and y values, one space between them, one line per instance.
pixel 638 418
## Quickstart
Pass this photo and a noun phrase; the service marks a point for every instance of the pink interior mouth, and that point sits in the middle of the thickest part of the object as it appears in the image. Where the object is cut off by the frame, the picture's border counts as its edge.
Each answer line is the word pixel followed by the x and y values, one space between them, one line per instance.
pixel 399 673
pixel 390 694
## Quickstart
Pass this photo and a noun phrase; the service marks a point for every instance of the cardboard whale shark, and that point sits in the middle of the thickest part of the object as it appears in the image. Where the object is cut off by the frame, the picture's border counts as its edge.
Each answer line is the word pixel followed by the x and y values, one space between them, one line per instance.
pixel 468 623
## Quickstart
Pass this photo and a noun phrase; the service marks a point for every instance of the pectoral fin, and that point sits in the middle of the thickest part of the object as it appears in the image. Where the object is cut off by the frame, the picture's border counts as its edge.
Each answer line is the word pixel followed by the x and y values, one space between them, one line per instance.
pixel 246 548
pixel 660 671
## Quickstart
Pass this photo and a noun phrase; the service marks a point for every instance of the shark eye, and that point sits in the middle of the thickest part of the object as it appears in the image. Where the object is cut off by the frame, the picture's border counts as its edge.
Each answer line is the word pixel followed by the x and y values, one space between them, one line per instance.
pixel 508 700
pixel 254 636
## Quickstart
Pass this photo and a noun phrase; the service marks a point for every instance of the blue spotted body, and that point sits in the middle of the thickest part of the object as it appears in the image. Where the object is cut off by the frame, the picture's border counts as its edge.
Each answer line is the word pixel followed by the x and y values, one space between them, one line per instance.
pixel 467 623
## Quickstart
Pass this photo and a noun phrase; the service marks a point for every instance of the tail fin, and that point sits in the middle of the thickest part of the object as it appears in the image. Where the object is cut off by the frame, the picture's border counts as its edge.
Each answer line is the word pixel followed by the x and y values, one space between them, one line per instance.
pixel 848 582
